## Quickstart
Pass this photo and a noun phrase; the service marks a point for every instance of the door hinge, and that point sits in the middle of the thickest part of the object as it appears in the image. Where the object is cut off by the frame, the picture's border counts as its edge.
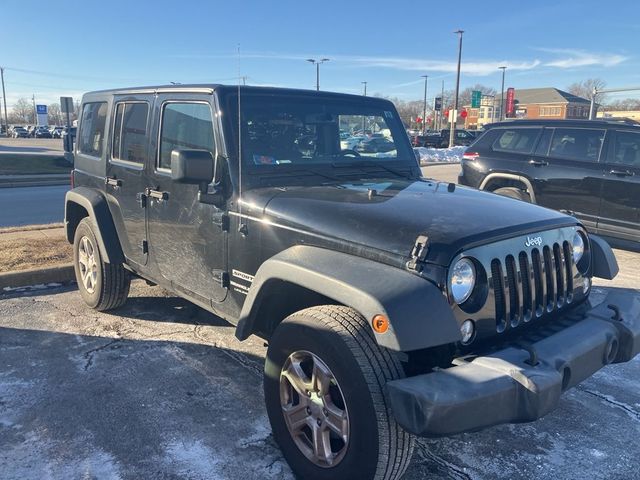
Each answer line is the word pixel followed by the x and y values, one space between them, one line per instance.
pixel 144 246
pixel 224 223
pixel 419 254
pixel 141 197
pixel 225 280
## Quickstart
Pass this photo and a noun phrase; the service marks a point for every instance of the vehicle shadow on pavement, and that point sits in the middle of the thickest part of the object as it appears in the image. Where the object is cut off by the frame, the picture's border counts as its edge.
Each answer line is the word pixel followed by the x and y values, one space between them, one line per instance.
pixel 75 406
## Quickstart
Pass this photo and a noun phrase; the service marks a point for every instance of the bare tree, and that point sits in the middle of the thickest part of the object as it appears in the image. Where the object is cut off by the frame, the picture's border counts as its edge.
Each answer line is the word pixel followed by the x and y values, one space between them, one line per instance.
pixel 624 104
pixel 585 88
pixel 23 109
pixel 55 114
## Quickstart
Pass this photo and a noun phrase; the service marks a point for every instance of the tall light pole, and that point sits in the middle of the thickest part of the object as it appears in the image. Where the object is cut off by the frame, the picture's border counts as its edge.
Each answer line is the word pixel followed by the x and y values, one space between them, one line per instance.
pixel 502 94
pixel 365 88
pixel 4 99
pixel 424 106
pixel 452 132
pixel 317 64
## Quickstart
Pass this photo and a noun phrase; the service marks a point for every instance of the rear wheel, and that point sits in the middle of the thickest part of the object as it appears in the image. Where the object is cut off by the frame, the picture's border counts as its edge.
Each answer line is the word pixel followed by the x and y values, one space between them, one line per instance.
pixel 324 393
pixel 513 192
pixel 103 286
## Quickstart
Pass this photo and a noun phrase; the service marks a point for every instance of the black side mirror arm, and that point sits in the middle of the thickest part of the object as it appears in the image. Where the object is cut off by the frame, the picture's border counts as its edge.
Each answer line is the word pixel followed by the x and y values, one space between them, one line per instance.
pixel 215 198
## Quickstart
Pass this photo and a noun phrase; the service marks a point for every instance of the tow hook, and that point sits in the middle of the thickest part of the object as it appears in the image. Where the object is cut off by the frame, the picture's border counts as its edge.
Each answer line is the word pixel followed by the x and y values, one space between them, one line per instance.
pixel 533 356
pixel 616 312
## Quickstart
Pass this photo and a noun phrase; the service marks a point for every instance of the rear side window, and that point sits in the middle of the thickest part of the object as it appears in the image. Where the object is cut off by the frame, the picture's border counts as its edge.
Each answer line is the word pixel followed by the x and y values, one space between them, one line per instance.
pixel 130 132
pixel 518 140
pixel 185 126
pixel 92 123
pixel 582 144
pixel 627 149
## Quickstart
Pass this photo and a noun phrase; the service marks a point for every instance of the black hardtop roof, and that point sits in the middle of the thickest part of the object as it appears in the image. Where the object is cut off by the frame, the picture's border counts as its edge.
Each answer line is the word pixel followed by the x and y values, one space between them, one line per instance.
pixel 559 123
pixel 228 89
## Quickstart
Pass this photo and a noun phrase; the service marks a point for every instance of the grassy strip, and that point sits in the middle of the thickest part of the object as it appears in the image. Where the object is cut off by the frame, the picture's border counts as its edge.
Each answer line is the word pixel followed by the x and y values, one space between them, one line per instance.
pixel 23 164
pixel 34 252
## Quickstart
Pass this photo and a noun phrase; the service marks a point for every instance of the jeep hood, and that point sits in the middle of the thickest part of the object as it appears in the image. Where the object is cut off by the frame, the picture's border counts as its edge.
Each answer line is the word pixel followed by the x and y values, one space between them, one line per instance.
pixel 389 215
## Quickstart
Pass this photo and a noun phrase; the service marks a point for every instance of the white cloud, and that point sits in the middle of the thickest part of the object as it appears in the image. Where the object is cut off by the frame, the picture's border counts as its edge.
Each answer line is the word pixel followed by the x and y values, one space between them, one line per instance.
pixel 571 58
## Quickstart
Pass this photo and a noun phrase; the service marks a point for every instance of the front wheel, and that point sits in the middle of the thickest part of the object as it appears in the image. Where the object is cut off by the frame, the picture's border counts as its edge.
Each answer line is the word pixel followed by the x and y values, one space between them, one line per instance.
pixel 324 393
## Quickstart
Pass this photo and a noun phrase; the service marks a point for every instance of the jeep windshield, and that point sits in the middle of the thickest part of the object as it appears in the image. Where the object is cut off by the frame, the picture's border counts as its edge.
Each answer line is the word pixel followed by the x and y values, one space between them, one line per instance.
pixel 289 132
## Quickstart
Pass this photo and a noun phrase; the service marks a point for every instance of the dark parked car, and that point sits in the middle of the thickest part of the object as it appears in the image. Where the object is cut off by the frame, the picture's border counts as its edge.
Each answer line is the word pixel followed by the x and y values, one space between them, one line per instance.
pixel 589 169
pixel 441 139
pixel 19 132
pixel 393 305
pixel 42 132
pixel 375 145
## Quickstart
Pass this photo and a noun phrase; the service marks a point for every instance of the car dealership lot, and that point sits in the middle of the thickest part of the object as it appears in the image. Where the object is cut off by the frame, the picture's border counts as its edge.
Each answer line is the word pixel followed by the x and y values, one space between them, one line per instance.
pixel 162 389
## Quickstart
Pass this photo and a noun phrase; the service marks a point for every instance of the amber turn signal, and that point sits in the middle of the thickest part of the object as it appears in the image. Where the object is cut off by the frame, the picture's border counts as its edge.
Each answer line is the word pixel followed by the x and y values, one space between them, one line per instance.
pixel 380 323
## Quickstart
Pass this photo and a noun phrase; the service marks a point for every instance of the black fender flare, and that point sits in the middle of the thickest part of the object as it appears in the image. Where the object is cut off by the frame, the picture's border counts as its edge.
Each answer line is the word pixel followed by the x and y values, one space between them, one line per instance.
pixel 98 210
pixel 419 314
pixel 604 263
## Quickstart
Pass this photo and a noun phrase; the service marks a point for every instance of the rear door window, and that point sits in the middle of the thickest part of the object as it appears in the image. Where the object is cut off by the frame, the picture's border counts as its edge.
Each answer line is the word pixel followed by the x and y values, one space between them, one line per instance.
pixel 626 150
pixel 130 132
pixel 92 123
pixel 517 140
pixel 582 144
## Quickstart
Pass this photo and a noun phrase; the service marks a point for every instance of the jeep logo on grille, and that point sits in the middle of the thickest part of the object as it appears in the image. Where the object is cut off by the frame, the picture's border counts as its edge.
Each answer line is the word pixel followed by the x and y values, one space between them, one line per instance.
pixel 531 241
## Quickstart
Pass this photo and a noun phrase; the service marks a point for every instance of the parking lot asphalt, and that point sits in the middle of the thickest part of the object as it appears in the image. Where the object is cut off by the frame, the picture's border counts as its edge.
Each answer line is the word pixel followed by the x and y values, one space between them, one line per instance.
pixel 160 389
pixel 31 146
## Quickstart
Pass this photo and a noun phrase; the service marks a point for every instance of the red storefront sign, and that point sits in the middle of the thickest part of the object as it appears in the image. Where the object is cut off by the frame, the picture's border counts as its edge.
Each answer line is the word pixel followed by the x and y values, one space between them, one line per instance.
pixel 511 104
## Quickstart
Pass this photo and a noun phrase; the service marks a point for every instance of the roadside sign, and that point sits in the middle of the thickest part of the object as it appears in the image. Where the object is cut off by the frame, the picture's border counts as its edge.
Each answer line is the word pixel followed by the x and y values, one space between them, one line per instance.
pixel 463 114
pixel 419 120
pixel 476 96
pixel 41 109
pixel 66 104
pixel 41 115
pixel 438 104
pixel 511 104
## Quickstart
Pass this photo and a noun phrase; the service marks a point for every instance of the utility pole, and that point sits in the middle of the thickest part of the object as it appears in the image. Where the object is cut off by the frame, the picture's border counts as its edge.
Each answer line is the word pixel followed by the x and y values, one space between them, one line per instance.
pixel 502 94
pixel 365 88
pixel 424 106
pixel 317 64
pixel 592 106
pixel 35 111
pixel 452 132
pixel 441 107
pixel 4 99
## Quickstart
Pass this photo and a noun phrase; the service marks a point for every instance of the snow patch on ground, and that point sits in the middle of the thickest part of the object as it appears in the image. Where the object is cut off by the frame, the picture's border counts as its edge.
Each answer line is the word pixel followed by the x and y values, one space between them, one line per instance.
pixel 193 459
pixel 440 155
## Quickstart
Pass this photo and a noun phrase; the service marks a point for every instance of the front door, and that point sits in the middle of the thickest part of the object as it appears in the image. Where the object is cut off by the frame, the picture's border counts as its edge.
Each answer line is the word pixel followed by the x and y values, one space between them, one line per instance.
pixel 126 176
pixel 620 207
pixel 187 241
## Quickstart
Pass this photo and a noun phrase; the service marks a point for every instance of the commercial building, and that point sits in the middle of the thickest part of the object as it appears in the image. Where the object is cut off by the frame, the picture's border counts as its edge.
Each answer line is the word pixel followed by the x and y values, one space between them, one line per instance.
pixel 532 103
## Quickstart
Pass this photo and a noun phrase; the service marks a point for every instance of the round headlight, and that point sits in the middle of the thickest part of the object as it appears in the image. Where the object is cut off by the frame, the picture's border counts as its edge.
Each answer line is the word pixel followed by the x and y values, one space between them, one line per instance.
pixel 578 247
pixel 463 279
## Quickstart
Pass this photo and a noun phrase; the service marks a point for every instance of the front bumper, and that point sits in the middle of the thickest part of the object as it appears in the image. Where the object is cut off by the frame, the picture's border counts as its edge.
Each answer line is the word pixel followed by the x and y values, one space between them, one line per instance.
pixel 505 387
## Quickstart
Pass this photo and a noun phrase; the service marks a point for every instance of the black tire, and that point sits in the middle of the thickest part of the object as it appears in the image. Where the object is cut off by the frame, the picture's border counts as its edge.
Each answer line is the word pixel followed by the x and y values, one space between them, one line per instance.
pixel 513 192
pixel 377 447
pixel 112 281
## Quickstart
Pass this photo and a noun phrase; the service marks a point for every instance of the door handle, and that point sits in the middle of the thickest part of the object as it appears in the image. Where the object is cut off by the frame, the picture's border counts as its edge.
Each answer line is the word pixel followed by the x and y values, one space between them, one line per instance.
pixel 157 194
pixel 621 173
pixel 538 163
pixel 113 182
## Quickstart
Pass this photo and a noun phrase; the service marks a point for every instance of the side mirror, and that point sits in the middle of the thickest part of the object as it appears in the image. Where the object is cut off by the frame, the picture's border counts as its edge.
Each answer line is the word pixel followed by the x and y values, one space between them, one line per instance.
pixel 196 167
pixel 192 166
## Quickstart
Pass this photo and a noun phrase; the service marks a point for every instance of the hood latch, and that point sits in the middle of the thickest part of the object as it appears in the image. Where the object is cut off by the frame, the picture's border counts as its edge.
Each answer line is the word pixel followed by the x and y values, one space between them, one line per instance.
pixel 419 254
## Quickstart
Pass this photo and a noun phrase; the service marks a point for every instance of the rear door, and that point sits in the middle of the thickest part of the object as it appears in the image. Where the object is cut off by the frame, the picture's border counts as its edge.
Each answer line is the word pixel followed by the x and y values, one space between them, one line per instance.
pixel 187 239
pixel 620 206
pixel 125 182
pixel 568 172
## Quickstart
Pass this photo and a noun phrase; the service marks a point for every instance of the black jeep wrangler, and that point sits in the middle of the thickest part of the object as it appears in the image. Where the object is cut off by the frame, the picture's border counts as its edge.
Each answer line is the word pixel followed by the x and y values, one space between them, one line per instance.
pixel 393 305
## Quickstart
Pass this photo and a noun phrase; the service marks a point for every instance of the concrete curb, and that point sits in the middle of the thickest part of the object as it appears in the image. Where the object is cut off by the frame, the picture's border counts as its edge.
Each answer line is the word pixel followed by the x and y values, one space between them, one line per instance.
pixel 37 276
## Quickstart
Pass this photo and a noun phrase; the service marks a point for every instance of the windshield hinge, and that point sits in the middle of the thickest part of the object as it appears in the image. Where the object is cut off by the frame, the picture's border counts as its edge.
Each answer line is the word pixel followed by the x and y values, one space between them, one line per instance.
pixel 419 254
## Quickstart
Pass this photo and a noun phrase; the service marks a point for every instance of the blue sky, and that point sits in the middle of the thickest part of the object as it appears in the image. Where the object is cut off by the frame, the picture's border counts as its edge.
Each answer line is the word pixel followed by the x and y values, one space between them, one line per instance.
pixel 388 44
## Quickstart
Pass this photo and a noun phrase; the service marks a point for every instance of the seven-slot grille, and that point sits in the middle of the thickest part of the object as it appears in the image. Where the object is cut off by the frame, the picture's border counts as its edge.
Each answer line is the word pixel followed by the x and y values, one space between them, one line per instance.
pixel 531 283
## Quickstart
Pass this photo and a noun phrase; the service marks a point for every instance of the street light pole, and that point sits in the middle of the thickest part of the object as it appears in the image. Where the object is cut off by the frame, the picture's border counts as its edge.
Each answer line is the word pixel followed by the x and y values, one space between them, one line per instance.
pixel 452 132
pixel 502 94
pixel 317 64
pixel 4 99
pixel 424 106
pixel 365 88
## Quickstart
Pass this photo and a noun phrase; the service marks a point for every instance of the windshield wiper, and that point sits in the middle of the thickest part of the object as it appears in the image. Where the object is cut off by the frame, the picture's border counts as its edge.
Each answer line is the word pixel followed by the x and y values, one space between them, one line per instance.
pixel 297 171
pixel 369 163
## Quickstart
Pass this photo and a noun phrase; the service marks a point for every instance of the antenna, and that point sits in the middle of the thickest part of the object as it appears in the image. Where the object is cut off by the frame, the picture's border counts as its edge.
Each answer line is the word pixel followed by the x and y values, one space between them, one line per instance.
pixel 242 227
